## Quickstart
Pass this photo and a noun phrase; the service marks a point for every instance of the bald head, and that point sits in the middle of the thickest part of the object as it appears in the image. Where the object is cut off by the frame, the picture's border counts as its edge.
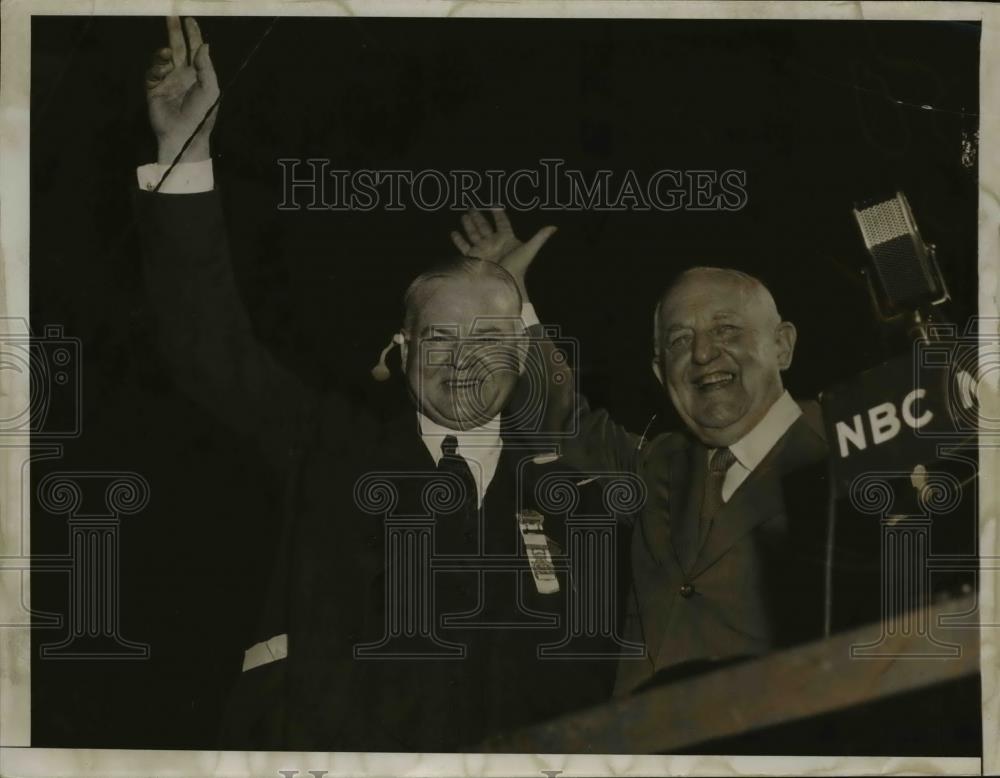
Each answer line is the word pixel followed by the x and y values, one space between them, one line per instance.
pixel 751 290
pixel 720 348
pixel 489 277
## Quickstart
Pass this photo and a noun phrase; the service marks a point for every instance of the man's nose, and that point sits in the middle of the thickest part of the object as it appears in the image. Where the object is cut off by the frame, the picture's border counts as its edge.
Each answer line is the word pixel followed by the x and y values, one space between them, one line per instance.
pixel 704 348
pixel 469 355
pixel 465 357
pixel 477 356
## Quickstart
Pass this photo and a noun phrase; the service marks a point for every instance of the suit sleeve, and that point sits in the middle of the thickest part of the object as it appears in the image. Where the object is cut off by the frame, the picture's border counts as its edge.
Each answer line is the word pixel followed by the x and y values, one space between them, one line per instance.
pixel 588 439
pixel 205 332
pixel 255 716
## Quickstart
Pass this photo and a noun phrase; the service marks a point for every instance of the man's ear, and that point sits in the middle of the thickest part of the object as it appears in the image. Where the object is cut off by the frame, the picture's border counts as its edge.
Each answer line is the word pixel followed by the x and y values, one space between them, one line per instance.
pixel 657 370
pixel 523 344
pixel 784 337
pixel 403 340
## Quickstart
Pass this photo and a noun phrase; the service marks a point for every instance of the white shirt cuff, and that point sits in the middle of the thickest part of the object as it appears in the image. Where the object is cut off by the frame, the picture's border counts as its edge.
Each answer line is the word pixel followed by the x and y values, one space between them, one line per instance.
pixel 185 178
pixel 264 653
pixel 528 315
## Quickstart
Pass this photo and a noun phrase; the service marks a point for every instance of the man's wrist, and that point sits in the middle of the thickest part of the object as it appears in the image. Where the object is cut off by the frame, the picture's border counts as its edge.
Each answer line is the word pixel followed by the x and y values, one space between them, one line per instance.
pixel 184 178
pixel 197 151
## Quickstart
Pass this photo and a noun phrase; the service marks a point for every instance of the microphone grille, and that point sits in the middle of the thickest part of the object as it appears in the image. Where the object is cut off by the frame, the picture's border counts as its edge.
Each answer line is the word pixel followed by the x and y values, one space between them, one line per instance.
pixel 898 253
pixel 882 222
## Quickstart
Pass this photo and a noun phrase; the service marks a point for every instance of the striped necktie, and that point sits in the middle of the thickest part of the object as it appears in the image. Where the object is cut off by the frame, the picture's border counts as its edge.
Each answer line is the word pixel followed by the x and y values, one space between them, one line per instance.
pixel 718 466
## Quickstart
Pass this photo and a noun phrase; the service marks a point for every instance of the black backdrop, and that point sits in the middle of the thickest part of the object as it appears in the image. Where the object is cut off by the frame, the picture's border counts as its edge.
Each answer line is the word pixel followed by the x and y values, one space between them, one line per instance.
pixel 819 114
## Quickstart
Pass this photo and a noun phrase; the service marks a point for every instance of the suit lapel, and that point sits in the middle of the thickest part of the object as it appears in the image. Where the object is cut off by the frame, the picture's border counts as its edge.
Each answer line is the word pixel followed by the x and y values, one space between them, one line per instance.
pixel 666 475
pixel 760 497
pixel 755 501
pixel 685 507
pixel 399 450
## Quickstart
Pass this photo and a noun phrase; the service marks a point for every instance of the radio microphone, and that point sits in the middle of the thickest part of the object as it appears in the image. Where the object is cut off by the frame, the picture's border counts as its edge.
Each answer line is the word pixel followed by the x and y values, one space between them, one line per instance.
pixel 888 422
pixel 909 282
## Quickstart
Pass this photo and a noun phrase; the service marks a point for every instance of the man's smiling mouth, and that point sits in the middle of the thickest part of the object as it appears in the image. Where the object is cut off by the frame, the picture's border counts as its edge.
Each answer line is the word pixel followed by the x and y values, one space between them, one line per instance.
pixel 462 383
pixel 714 381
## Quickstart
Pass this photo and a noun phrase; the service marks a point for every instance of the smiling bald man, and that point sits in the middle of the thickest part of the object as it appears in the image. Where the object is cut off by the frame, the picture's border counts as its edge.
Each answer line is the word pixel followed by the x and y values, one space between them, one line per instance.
pixel 728 562
pixel 728 554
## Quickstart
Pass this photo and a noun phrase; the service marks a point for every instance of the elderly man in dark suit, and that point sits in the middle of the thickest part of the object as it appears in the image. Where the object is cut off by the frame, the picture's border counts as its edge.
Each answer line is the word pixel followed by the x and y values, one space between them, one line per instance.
pixel 728 550
pixel 358 650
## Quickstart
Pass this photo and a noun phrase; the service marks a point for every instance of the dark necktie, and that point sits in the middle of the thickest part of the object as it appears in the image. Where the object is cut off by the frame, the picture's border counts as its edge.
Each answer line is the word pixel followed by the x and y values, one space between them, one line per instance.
pixel 453 462
pixel 719 464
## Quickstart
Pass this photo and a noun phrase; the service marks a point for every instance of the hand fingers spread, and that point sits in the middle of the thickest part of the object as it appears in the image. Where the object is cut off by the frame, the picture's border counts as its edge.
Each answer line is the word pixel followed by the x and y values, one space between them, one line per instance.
pixel 461 243
pixel 471 229
pixel 178 49
pixel 501 220
pixel 193 33
pixel 539 238
pixel 481 224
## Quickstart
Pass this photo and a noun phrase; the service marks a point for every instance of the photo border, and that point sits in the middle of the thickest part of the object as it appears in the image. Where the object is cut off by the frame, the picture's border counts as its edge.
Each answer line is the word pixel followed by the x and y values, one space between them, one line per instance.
pixel 16 756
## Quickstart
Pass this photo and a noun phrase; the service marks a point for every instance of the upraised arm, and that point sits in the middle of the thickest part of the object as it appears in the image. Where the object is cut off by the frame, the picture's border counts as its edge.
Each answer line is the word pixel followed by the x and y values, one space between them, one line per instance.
pixel 587 439
pixel 204 330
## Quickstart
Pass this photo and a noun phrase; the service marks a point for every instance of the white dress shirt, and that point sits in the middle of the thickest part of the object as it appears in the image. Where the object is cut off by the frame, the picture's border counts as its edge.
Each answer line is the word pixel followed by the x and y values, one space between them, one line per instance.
pixel 751 449
pixel 480 447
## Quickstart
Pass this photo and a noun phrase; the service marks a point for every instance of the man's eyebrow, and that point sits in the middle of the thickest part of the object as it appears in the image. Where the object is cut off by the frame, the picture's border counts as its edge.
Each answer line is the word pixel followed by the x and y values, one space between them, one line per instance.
pixel 443 329
pixel 718 315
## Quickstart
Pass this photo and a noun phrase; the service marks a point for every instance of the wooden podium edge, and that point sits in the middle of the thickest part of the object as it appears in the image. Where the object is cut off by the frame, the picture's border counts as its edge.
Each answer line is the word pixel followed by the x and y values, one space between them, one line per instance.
pixel 807 680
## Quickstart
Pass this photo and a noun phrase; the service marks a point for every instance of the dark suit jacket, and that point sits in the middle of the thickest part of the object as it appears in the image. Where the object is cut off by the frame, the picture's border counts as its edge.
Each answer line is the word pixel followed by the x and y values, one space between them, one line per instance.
pixel 757 583
pixel 329 589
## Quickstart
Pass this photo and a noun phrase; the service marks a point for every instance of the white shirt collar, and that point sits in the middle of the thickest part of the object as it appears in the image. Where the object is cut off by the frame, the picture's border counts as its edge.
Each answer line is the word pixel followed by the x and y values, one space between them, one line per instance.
pixel 751 449
pixel 479 446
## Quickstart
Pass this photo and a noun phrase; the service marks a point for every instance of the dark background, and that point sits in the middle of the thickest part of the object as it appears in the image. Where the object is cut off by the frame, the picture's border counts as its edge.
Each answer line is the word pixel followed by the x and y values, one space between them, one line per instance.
pixel 819 114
